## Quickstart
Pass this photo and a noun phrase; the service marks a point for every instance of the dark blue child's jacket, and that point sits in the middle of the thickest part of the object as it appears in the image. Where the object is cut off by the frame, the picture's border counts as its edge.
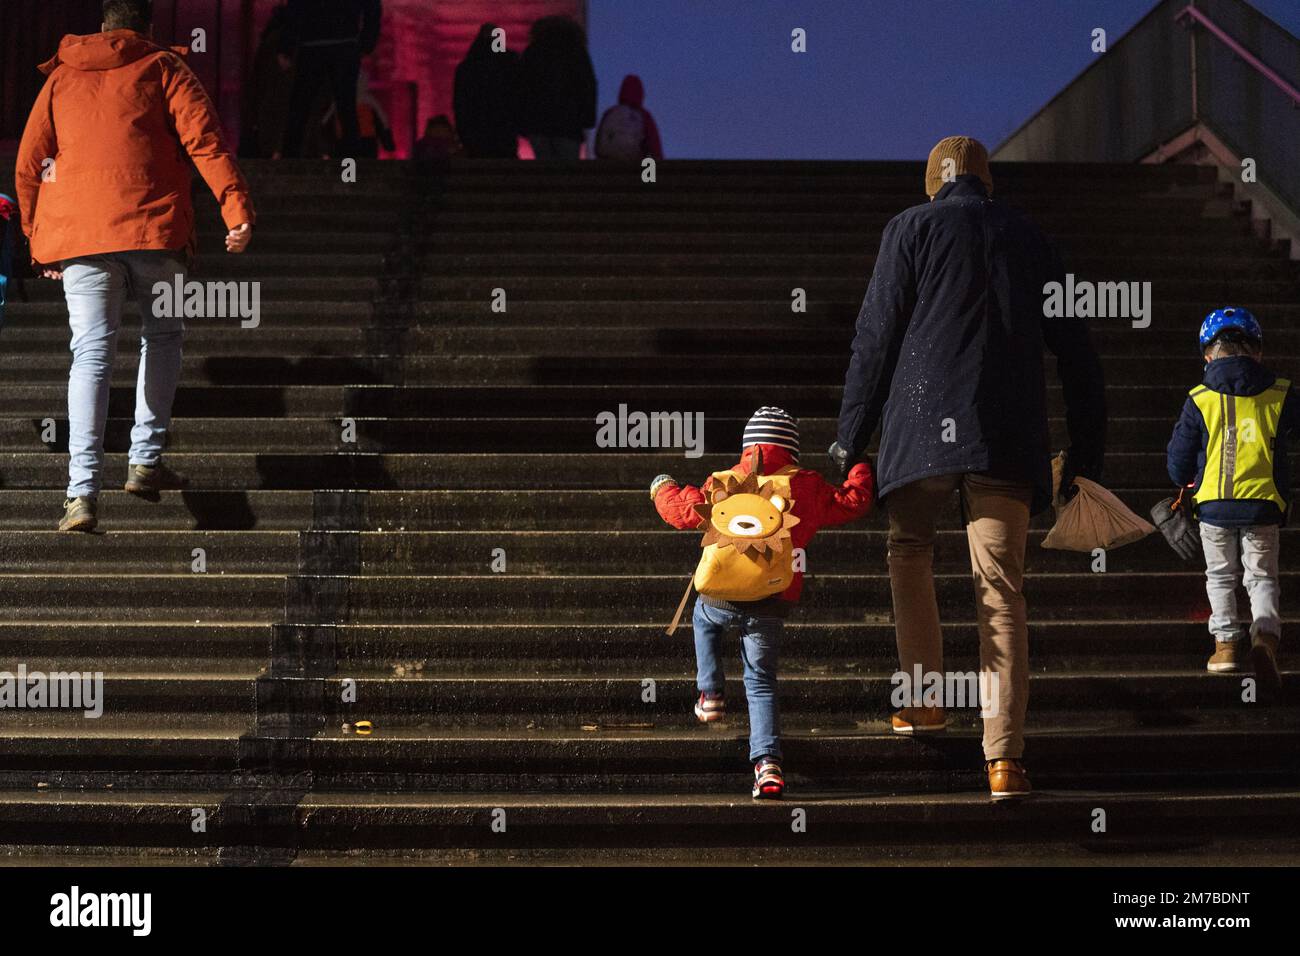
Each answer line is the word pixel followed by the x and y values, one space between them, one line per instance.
pixel 1235 375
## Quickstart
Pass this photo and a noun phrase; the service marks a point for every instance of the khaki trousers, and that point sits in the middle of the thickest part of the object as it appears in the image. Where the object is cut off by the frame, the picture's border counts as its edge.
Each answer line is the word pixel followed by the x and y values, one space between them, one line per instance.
pixel 996 515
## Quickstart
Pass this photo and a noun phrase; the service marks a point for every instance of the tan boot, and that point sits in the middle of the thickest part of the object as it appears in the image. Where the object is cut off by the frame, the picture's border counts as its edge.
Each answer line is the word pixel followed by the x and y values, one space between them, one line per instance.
pixel 1228 657
pixel 919 720
pixel 1263 655
pixel 1008 780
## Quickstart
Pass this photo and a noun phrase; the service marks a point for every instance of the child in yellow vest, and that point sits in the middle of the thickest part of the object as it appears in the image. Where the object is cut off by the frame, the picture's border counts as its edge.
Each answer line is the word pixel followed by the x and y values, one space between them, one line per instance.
pixel 1230 446
pixel 756 523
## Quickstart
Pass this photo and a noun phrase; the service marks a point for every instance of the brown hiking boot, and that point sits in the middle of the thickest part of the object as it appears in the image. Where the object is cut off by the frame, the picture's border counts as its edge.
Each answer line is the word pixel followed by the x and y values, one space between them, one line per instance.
pixel 1228 657
pixel 79 515
pixel 1008 780
pixel 919 720
pixel 148 480
pixel 1263 654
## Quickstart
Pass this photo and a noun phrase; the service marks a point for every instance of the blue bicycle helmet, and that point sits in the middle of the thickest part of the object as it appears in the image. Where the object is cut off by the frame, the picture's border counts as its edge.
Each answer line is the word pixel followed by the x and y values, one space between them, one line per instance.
pixel 1221 320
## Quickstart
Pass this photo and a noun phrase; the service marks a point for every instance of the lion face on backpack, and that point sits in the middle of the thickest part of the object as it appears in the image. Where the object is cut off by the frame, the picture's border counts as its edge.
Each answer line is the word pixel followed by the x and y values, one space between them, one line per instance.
pixel 746 515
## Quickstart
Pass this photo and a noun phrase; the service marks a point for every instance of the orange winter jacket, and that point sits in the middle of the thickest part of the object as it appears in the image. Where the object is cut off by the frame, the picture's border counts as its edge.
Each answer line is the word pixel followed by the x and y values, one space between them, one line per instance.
pixel 118 116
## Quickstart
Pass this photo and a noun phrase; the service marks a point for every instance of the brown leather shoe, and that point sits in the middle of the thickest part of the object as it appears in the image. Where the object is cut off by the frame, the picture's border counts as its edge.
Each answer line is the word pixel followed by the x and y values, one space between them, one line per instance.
pixel 1228 657
pixel 1263 655
pixel 1008 780
pixel 919 720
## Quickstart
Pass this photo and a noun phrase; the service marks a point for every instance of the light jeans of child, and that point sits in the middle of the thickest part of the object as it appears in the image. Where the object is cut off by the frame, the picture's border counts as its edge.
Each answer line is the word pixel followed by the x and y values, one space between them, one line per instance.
pixel 760 643
pixel 1246 556
pixel 96 289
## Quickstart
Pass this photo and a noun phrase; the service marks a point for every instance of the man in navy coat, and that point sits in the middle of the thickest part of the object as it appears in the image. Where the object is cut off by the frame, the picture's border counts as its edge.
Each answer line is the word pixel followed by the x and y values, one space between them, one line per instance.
pixel 948 361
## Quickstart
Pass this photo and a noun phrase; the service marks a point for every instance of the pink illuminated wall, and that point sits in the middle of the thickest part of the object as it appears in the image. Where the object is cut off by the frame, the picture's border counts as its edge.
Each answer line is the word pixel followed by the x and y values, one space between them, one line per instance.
pixel 421 43
pixel 412 70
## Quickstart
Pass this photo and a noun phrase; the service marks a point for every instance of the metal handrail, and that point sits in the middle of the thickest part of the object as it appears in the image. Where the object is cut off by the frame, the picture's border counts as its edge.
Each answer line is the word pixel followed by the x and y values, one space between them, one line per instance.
pixel 1250 59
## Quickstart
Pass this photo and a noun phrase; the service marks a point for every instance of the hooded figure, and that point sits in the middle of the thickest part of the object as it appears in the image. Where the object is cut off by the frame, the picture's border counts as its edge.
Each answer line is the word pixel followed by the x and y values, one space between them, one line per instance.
pixel 486 98
pixel 266 97
pixel 559 89
pixel 627 130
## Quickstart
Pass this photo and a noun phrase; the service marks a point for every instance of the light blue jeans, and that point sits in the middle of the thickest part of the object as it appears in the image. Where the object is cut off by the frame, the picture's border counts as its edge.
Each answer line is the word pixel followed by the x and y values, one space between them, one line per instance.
pixel 96 289
pixel 760 644
pixel 1236 556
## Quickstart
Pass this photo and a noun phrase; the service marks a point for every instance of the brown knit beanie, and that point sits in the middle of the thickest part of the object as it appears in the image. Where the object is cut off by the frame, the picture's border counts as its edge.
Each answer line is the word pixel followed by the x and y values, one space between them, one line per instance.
pixel 968 156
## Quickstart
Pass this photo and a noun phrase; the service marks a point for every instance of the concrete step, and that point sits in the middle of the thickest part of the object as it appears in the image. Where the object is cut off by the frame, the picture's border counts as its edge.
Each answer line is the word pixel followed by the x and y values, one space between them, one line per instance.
pixel 1155 853
pixel 1159 699
pixel 692 761
pixel 799 337
pixel 855 264
pixel 221 702
pixel 629 761
pixel 679 288
pixel 666 216
pixel 455 435
pixel 545 553
pixel 1134 644
pixel 191 510
pixel 1234 240
pixel 736 402
pixel 898 827
pixel 46 310
pixel 328 288
pixel 151 552
pixel 819 702
pixel 643 598
pixel 228 369
pixel 264 401
pixel 610 469
pixel 109 596
pixel 845 649
pixel 137 646
pixel 699 311
pixel 632 197
pixel 470 510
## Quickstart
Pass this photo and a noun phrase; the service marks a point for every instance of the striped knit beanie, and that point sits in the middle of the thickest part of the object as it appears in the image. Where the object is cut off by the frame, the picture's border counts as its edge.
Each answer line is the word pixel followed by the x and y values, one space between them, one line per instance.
pixel 772 426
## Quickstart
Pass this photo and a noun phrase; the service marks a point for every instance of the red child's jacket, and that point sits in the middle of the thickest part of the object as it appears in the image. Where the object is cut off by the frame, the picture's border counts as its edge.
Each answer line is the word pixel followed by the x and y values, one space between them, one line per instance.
pixel 817 503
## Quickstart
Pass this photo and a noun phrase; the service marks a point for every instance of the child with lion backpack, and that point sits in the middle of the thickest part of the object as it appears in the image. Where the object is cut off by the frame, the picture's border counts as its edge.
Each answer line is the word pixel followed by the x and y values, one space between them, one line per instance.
pixel 627 131
pixel 755 517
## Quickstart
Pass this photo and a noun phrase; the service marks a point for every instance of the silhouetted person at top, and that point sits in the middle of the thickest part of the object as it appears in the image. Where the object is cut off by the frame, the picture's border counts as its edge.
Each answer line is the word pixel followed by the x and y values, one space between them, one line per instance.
pixel 627 131
pixel 486 98
pixel 559 89
pixel 328 39
pixel 265 101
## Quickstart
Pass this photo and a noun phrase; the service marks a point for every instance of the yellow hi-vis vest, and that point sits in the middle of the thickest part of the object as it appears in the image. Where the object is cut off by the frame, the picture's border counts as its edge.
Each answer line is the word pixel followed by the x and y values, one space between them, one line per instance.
pixel 1239 453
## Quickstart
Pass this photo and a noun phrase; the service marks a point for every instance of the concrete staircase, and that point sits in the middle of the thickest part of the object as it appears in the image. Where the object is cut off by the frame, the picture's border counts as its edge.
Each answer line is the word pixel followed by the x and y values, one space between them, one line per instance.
pixel 353 580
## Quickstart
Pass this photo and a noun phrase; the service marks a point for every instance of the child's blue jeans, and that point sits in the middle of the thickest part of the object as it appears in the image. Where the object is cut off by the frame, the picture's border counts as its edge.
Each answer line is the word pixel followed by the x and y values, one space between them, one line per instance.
pixel 760 642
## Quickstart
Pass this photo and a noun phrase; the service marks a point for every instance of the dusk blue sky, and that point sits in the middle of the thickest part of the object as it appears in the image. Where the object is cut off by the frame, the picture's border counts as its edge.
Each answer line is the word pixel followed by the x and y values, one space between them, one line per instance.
pixel 882 79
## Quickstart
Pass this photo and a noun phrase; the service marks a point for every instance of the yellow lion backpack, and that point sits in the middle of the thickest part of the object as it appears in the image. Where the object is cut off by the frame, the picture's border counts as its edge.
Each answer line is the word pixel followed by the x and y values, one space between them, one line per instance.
pixel 748 552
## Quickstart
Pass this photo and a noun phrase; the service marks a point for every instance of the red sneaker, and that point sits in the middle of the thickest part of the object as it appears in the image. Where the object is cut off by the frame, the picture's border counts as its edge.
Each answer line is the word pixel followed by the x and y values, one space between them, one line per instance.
pixel 769 784
pixel 710 707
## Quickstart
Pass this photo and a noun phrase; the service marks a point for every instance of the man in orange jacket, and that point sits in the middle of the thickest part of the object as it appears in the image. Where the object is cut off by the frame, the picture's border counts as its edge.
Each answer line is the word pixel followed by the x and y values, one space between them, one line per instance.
pixel 104 189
